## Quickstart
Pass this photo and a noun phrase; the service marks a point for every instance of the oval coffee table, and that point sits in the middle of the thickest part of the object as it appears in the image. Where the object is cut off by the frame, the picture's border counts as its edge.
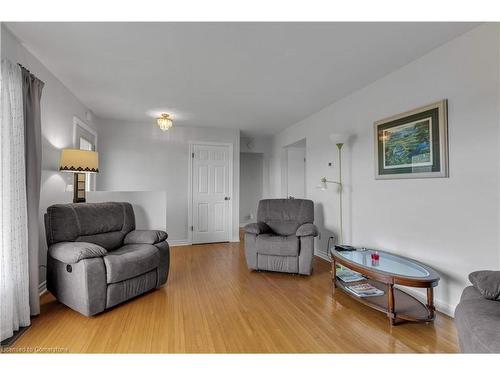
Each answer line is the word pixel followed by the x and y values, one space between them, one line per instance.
pixel 390 270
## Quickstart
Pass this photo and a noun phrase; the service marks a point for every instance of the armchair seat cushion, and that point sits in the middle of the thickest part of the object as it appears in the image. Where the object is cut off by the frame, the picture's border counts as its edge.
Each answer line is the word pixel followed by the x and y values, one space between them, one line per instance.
pixel 269 244
pixel 130 261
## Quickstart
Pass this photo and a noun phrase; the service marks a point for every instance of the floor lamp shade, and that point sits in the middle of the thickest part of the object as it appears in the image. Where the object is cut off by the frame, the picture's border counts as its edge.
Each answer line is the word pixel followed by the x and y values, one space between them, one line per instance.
pixel 79 162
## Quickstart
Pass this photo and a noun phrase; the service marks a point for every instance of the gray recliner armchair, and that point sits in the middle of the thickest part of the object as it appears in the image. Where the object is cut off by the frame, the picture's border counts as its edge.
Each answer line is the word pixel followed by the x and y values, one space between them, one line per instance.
pixel 96 259
pixel 283 238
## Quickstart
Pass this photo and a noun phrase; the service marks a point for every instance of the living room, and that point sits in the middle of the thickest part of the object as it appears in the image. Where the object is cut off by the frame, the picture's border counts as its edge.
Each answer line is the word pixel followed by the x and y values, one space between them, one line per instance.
pixel 250 187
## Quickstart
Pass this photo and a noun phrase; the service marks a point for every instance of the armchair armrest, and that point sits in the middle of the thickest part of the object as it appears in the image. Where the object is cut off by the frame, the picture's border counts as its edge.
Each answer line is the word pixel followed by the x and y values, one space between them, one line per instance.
pixel 257 228
pixel 145 237
pixel 73 252
pixel 487 283
pixel 307 230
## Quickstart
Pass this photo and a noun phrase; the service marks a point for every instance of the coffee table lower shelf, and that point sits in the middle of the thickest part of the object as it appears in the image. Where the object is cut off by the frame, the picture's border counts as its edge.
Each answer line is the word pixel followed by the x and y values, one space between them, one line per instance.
pixel 406 307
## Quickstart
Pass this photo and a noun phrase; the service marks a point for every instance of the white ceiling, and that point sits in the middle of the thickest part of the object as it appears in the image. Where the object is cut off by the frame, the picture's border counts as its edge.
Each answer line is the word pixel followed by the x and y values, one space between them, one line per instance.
pixel 257 77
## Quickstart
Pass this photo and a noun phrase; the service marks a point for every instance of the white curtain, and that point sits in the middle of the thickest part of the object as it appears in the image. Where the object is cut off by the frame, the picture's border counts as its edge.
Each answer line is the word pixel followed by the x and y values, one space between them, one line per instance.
pixel 14 277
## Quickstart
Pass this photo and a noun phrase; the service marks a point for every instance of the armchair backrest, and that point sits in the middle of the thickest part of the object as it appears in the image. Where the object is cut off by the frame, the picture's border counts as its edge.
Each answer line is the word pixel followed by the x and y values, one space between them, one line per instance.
pixel 284 216
pixel 104 224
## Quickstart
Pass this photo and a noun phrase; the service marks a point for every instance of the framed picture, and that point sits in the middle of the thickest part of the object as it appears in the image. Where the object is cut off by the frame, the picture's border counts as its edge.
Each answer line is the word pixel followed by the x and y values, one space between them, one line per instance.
pixel 413 144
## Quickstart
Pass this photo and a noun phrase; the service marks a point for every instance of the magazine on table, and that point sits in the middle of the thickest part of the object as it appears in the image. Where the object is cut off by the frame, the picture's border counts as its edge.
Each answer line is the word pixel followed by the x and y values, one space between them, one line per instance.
pixel 365 290
pixel 349 276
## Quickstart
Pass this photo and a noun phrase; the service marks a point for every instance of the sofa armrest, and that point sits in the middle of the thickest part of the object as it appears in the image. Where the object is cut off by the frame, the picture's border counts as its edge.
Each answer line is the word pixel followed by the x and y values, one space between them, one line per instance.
pixel 73 252
pixel 487 283
pixel 145 237
pixel 257 228
pixel 307 230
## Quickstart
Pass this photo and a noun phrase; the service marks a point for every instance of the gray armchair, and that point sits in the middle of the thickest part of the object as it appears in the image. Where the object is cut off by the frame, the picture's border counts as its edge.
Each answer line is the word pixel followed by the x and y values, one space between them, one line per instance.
pixel 283 238
pixel 96 259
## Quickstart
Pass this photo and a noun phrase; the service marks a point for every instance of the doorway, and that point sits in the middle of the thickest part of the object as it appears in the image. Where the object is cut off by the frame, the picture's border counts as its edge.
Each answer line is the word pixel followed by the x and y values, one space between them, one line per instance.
pixel 211 192
pixel 295 170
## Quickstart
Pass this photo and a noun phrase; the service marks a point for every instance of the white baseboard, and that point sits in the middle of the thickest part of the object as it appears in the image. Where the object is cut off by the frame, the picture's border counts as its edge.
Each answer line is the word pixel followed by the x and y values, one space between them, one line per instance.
pixel 321 254
pixel 42 288
pixel 179 242
pixel 441 306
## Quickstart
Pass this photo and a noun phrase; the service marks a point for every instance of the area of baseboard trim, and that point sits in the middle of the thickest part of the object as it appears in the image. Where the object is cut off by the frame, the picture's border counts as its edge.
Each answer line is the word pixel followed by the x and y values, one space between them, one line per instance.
pixel 179 242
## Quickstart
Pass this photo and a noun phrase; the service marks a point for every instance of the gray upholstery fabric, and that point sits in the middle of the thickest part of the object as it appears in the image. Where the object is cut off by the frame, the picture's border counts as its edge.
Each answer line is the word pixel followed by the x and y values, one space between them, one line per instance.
pixel 73 252
pixel 103 271
pixel 306 255
pixel 127 289
pixel 307 229
pixel 79 222
pixel 251 250
pixel 487 283
pixel 270 244
pixel 109 240
pixel 164 265
pixel 257 228
pixel 277 263
pixel 145 236
pixel 478 323
pixel 130 261
pixel 286 242
pixel 284 216
pixel 83 287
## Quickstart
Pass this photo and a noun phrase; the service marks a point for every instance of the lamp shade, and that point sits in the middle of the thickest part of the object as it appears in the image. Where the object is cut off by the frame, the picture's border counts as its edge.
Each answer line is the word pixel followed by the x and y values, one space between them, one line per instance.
pixel 73 160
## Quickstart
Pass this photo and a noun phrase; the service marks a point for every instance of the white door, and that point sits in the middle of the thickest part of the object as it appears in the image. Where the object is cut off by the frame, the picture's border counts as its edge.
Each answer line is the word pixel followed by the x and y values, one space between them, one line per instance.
pixel 211 187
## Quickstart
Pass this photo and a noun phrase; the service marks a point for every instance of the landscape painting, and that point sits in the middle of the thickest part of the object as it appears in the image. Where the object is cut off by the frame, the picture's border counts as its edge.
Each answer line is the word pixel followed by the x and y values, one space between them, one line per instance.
pixel 408 145
pixel 413 144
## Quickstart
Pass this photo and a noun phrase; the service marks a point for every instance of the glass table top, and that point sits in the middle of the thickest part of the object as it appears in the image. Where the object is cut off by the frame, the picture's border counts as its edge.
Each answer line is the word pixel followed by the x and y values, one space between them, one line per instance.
pixel 388 263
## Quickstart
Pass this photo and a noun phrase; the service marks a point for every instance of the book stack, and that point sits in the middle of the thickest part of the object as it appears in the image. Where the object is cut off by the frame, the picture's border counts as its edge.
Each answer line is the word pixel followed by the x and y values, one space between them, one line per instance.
pixel 349 276
pixel 365 290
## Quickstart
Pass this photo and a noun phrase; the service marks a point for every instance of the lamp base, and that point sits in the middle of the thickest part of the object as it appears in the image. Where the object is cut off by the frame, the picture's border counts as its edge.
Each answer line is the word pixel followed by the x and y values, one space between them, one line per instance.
pixel 79 188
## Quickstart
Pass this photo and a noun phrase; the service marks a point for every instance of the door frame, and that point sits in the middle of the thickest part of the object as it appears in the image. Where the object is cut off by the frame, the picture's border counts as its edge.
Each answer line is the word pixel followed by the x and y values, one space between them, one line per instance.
pixel 190 186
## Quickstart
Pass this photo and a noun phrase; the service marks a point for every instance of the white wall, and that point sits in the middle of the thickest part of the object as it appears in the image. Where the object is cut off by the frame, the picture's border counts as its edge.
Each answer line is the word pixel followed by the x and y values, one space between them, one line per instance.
pixel 295 172
pixel 449 223
pixel 264 146
pixel 139 156
pixel 58 106
pixel 251 185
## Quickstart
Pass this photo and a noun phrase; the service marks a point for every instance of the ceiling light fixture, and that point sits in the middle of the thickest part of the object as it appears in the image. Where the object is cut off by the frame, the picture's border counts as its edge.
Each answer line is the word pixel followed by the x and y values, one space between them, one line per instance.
pixel 164 122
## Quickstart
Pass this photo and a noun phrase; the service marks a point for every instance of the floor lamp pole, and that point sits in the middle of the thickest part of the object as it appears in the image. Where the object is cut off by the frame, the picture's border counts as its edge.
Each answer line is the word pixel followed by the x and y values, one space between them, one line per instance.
pixel 341 186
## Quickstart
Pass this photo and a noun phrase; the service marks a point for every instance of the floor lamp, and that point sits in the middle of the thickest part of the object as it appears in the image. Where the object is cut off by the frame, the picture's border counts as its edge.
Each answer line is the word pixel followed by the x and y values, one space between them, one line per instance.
pixel 324 186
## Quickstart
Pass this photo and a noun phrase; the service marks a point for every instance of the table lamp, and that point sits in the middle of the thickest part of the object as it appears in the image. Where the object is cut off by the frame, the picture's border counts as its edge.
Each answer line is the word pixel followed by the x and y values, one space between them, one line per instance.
pixel 79 162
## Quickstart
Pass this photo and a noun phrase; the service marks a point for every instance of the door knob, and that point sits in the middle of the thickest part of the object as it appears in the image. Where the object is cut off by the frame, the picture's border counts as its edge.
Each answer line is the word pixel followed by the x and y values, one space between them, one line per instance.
pixel 227 198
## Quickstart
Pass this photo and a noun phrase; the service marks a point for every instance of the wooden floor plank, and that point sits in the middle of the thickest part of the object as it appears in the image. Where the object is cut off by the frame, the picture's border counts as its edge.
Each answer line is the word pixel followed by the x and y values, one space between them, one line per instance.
pixel 213 304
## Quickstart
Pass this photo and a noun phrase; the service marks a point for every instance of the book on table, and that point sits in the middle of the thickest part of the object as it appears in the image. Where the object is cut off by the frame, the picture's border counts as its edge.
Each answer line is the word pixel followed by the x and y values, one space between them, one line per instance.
pixel 365 290
pixel 349 276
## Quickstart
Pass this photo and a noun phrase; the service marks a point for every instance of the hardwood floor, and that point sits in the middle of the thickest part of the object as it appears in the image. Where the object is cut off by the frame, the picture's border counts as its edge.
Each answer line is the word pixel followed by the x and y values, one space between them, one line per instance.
pixel 213 304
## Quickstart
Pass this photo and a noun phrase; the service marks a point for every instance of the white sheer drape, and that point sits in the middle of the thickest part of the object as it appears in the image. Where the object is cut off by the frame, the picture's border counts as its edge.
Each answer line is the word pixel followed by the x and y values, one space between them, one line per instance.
pixel 14 277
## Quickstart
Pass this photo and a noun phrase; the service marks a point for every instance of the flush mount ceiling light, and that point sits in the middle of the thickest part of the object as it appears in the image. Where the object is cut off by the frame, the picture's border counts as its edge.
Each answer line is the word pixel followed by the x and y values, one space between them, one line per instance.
pixel 164 122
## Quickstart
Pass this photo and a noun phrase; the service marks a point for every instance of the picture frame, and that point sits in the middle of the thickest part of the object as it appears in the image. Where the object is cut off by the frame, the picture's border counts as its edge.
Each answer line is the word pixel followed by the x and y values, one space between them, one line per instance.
pixel 413 144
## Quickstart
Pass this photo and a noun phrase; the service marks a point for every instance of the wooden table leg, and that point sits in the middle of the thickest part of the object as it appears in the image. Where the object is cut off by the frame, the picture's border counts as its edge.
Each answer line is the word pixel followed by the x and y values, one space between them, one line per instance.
pixel 430 303
pixel 390 304
pixel 334 273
